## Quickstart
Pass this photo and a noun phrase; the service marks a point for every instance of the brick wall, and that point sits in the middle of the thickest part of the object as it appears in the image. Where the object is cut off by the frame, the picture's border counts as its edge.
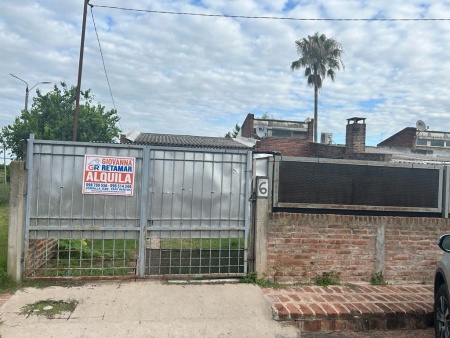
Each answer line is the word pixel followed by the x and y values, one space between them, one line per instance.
pixel 302 246
pixel 355 138
pixel 40 250
pixel 287 146
pixel 247 126
pixel 405 138
pixel 327 150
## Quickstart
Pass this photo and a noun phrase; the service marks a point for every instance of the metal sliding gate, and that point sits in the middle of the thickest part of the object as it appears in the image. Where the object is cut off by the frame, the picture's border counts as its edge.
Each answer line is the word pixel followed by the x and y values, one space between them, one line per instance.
pixel 187 215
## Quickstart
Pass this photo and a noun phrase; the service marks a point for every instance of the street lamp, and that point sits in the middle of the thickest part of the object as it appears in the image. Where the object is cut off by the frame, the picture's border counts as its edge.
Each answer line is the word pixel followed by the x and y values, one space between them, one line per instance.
pixel 28 90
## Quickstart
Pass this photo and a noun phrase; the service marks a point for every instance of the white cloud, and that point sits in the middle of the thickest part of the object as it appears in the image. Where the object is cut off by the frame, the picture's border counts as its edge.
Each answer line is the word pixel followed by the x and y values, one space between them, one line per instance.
pixel 200 75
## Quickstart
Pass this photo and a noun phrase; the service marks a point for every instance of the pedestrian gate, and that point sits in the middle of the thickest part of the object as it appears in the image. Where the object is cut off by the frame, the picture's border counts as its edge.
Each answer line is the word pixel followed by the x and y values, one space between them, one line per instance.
pixel 170 211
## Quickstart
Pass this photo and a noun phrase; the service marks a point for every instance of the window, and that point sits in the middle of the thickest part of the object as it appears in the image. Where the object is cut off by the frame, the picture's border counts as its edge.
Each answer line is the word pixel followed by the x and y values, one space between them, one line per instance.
pixel 300 134
pixel 281 133
pixel 437 143
pixel 421 142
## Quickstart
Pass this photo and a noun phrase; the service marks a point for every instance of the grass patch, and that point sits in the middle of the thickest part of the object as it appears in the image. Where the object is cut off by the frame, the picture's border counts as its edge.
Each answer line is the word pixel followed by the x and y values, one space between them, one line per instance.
pixel 252 278
pixel 328 278
pixel 4 193
pixel 4 217
pixel 49 308
pixel 378 279
pixel 83 257
pixel 202 243
pixel 6 282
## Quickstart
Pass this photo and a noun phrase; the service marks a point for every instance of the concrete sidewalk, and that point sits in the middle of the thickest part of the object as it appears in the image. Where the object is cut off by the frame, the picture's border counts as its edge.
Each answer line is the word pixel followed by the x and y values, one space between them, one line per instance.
pixel 147 309
pixel 150 309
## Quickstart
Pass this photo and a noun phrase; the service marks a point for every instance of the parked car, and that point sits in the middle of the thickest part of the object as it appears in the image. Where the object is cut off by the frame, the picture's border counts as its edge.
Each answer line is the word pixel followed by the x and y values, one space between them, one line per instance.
pixel 442 290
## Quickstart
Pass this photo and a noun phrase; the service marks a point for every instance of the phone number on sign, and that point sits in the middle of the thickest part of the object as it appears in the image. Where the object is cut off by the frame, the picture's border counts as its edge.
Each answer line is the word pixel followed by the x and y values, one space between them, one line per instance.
pixel 112 186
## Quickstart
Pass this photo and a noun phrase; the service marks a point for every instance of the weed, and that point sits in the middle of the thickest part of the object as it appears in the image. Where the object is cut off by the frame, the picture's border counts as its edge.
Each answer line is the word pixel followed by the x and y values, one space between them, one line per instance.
pixel 252 278
pixel 378 279
pixel 328 278
pixel 49 308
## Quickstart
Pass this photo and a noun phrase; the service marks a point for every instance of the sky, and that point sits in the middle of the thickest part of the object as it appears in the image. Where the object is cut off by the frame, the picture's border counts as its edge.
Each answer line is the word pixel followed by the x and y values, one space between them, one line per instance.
pixel 200 75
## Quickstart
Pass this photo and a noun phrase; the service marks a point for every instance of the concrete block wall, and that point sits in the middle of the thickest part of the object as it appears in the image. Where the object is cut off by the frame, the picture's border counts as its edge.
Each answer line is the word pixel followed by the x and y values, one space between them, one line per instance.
pixel 303 246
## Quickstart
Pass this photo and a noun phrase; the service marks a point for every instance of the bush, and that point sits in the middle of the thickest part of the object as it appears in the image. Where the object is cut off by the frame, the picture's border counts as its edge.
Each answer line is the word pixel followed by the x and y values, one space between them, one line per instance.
pixel 328 278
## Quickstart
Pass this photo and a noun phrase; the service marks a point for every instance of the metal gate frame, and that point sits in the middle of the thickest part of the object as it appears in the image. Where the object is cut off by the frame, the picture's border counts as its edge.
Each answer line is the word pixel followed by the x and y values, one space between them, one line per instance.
pixel 47 227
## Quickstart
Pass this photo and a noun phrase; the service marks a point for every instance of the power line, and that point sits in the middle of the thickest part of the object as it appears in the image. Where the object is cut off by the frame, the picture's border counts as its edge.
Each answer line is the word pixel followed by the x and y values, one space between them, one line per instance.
pixel 269 17
pixel 103 61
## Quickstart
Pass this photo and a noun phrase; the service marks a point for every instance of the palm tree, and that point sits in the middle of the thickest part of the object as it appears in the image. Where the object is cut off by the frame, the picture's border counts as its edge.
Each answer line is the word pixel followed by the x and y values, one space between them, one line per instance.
pixel 320 56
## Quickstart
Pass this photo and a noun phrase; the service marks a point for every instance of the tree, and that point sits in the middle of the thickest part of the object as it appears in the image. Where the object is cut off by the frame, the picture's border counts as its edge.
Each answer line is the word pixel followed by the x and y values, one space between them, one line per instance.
pixel 320 56
pixel 234 132
pixel 51 118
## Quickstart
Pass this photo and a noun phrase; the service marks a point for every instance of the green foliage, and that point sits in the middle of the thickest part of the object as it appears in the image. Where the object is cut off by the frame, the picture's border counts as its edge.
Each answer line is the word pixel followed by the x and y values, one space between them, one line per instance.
pixel 252 278
pixel 378 279
pixel 320 56
pixel 4 194
pixel 234 132
pixel 77 249
pixel 328 278
pixel 2 173
pixel 51 118
pixel 266 116
pixel 4 217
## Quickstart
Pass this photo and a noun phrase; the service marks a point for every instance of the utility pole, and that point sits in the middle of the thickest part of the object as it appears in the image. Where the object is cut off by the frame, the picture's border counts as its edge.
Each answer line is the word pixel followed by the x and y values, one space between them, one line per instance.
pixel 80 72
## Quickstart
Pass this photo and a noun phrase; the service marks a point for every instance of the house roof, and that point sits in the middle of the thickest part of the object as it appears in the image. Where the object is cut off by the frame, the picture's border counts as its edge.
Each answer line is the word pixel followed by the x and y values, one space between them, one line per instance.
pixel 404 155
pixel 404 138
pixel 187 141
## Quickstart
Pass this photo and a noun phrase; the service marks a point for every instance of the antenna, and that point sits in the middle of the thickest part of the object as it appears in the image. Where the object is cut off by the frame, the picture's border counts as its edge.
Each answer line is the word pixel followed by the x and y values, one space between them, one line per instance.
pixel 261 131
pixel 421 126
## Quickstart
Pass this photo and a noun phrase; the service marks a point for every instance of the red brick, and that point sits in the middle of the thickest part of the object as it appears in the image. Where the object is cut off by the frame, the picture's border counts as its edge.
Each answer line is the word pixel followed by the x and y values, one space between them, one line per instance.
pixel 352 308
pixel 294 312
pixel 281 311
pixel 312 326
pixel 306 310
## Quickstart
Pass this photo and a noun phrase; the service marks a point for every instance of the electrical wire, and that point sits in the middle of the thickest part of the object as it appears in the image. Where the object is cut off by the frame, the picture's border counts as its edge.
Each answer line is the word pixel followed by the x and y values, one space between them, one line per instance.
pixel 269 17
pixel 103 61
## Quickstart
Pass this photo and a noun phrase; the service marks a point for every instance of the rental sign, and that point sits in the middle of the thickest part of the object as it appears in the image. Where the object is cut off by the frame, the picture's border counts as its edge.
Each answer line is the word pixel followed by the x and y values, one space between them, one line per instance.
pixel 108 175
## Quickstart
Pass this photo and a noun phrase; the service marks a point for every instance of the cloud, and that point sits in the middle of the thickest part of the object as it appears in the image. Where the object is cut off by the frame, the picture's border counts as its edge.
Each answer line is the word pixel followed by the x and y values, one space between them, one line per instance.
pixel 200 75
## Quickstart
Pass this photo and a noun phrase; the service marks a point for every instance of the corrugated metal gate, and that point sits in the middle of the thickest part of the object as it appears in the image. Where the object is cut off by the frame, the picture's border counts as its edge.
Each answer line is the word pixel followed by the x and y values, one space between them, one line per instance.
pixel 188 215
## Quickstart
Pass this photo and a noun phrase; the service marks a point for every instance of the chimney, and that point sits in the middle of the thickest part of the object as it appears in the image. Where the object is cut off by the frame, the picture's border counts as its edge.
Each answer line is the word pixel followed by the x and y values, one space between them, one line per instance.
pixel 355 138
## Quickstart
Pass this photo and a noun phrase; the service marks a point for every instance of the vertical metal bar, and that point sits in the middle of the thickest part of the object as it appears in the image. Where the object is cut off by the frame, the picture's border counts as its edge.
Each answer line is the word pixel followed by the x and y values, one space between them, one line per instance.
pixel 242 186
pixel 38 183
pixel 50 181
pixel 248 191
pixel 211 205
pixel 144 206
pixel 57 258
pixel 446 191
pixel 231 192
pixel 73 185
pixel 191 268
pixel 181 208
pixel 221 189
pixel 82 197
pixel 29 187
pixel 92 251
pixel 172 188
pixel 202 193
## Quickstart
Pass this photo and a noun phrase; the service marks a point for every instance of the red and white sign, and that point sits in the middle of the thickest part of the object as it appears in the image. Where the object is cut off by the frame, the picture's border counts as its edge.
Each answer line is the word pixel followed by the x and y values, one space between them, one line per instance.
pixel 108 175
